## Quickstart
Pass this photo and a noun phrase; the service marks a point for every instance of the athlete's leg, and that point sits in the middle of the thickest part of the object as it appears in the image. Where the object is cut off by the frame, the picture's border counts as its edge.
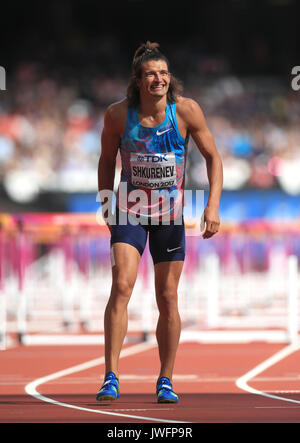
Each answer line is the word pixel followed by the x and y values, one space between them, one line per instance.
pixel 127 245
pixel 167 247
pixel 167 275
pixel 124 272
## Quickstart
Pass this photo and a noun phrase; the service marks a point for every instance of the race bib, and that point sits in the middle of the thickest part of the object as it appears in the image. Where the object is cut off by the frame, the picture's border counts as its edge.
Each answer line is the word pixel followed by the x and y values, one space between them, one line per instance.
pixel 153 171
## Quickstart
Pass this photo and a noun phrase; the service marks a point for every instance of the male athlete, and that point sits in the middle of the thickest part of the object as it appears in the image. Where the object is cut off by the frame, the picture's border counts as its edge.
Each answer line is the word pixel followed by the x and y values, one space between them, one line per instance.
pixel 151 127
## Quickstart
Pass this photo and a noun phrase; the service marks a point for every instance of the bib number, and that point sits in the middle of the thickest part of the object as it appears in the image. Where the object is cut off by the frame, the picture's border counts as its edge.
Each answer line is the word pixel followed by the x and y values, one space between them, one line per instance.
pixel 153 171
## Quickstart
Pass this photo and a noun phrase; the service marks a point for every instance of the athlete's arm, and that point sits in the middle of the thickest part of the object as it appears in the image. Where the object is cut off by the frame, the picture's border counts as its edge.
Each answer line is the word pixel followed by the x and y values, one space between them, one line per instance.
pixel 197 127
pixel 110 139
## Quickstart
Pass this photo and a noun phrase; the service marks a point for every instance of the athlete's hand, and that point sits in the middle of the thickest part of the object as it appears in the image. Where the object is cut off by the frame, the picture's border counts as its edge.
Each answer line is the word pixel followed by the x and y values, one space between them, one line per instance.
pixel 212 221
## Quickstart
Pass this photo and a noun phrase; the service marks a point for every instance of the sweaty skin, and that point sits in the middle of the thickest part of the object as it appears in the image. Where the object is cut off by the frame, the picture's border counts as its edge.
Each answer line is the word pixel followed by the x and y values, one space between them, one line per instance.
pixel 153 85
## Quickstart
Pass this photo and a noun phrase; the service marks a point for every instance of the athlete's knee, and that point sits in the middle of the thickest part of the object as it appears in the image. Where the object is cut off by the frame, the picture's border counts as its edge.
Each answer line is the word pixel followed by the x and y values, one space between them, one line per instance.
pixel 122 289
pixel 167 300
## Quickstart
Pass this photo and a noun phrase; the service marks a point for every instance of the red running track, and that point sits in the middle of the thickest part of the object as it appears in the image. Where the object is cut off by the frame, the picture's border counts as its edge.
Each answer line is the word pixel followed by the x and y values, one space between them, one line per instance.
pixel 205 378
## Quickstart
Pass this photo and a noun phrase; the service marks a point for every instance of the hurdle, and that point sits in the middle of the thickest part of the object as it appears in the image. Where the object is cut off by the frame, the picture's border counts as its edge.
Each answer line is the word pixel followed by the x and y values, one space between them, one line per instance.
pixel 61 295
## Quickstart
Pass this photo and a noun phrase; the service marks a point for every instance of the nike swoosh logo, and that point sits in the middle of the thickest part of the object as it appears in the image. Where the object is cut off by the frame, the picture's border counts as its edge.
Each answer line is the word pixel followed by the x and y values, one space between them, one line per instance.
pixel 174 249
pixel 162 132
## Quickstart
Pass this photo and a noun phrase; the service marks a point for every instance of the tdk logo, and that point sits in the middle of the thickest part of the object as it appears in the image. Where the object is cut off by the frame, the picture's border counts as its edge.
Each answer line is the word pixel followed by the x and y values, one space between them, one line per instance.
pixel 152 158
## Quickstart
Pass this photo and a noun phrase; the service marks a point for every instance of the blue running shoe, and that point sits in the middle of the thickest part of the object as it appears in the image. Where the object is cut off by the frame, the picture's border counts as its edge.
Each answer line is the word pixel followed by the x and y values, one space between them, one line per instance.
pixel 110 388
pixel 164 391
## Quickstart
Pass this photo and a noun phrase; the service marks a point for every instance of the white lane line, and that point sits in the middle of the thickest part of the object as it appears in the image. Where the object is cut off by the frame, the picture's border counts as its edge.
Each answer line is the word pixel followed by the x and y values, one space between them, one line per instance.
pixel 242 382
pixel 31 388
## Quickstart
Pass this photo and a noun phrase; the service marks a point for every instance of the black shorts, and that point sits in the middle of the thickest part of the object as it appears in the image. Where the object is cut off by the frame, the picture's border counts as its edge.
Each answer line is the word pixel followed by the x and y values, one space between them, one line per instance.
pixel 166 242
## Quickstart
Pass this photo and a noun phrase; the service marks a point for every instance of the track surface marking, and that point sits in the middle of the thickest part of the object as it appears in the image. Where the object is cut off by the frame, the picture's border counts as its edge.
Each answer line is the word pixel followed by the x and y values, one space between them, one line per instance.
pixel 30 388
pixel 205 377
pixel 242 382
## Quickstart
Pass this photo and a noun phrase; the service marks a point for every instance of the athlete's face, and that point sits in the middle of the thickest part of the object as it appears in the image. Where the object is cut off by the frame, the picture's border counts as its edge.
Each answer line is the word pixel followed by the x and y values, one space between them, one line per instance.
pixel 155 78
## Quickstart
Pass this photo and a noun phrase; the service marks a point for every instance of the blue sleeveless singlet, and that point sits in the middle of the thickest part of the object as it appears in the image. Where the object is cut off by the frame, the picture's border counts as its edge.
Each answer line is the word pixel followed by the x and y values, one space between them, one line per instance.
pixel 153 160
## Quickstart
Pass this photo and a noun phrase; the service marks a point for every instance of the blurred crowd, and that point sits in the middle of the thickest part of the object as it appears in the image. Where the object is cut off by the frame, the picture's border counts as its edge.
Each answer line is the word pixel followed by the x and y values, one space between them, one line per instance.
pixel 50 129
pixel 255 124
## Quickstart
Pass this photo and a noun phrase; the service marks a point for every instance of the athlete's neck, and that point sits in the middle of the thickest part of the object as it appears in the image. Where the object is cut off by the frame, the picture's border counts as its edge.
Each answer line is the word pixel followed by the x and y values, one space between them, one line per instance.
pixel 153 107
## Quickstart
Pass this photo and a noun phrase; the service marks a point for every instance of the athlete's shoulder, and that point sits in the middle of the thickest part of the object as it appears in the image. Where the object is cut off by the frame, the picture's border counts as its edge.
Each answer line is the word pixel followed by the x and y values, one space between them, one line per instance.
pixel 186 106
pixel 189 111
pixel 116 114
pixel 117 110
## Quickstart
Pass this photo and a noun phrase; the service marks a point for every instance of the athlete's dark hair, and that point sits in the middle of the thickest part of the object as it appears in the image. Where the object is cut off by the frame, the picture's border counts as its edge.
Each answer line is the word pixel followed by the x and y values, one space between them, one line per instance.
pixel 145 52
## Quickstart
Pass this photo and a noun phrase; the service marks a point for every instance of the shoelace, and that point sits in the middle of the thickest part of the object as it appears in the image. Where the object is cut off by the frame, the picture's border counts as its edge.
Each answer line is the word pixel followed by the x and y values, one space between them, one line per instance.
pixel 162 385
pixel 108 381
